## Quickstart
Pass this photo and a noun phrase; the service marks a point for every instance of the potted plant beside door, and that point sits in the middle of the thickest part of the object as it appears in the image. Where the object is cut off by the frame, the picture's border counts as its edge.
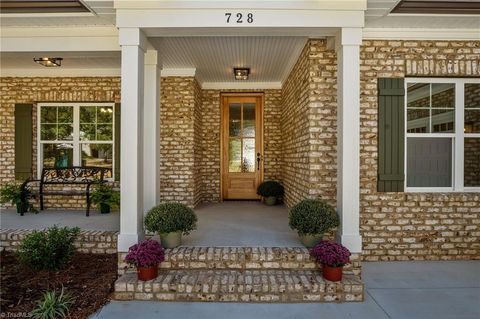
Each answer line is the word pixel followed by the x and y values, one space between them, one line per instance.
pixel 311 218
pixel 18 195
pixel 146 256
pixel 171 221
pixel 333 257
pixel 271 191
pixel 105 197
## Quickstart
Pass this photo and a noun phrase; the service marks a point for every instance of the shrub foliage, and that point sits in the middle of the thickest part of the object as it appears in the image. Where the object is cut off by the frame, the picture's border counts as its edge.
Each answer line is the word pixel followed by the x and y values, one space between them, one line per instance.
pixel 270 189
pixel 313 216
pixel 171 217
pixel 50 249
pixel 53 306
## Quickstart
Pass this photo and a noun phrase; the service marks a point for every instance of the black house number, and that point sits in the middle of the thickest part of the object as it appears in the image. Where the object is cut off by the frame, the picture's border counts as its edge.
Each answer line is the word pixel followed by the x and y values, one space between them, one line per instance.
pixel 239 17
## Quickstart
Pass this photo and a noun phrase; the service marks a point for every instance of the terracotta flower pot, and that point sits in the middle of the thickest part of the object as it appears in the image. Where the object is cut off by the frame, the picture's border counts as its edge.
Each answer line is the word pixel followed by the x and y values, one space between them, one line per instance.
pixel 147 273
pixel 332 273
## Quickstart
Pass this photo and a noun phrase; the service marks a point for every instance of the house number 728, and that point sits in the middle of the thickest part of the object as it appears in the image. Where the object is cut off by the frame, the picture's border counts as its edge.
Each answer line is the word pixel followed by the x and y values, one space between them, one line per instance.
pixel 238 17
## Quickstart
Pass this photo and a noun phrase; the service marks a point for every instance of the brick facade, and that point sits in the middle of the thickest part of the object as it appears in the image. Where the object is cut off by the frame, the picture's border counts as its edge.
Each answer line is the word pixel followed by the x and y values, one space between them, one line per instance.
pixel 16 90
pixel 405 226
pixel 309 126
pixel 300 142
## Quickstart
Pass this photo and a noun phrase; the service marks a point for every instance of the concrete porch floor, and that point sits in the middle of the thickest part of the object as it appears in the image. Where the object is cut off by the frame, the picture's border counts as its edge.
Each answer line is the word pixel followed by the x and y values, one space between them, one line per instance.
pixel 241 224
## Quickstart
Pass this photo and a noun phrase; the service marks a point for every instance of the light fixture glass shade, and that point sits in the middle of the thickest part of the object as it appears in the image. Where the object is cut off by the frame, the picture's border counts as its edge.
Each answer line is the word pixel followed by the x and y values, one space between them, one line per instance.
pixel 241 73
pixel 49 62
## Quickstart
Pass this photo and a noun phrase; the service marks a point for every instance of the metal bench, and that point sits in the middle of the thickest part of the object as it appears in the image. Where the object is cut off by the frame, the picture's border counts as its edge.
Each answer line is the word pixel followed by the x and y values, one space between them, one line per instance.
pixel 75 175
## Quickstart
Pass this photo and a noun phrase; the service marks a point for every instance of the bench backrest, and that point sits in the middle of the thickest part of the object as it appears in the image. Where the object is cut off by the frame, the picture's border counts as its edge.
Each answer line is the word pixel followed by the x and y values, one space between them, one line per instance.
pixel 74 175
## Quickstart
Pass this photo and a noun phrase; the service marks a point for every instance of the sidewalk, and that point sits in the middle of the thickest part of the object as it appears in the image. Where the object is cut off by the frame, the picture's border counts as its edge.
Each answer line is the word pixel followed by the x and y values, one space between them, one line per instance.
pixel 395 290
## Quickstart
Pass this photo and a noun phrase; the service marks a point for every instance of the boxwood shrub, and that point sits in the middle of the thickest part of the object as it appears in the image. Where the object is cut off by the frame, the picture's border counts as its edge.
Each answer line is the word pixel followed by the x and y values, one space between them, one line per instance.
pixel 48 250
pixel 313 216
pixel 171 217
pixel 270 189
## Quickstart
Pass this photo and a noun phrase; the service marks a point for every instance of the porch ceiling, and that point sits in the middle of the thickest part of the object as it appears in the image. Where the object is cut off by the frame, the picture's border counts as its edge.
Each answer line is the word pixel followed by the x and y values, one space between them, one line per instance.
pixel 269 58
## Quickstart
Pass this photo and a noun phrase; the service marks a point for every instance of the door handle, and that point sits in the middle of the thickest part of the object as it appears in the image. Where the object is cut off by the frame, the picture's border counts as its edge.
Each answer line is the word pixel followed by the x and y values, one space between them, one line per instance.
pixel 258 161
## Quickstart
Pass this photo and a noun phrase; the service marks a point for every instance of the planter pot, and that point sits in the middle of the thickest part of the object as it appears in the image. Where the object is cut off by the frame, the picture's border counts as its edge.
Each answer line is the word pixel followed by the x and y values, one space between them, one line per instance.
pixel 332 273
pixel 171 240
pixel 270 200
pixel 21 207
pixel 310 240
pixel 147 273
pixel 104 208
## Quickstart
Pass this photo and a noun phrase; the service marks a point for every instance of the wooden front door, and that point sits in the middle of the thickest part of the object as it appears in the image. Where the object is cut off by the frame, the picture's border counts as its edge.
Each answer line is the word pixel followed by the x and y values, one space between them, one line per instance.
pixel 242 145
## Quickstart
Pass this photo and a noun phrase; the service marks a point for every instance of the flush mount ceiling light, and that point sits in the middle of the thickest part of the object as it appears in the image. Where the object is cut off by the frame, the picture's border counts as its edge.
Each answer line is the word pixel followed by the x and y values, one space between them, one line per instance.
pixel 241 73
pixel 49 62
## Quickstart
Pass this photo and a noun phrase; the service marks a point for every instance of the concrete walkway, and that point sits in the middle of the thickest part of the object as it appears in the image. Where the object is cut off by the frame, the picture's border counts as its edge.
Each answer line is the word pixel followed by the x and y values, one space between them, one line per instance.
pixel 395 290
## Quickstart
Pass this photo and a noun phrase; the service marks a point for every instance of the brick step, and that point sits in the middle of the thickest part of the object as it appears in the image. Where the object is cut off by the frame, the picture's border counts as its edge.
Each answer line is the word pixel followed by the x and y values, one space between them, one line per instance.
pixel 187 257
pixel 239 286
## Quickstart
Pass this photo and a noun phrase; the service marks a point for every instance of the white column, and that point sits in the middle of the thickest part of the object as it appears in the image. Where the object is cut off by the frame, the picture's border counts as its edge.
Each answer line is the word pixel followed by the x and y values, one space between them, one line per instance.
pixel 132 41
pixel 151 132
pixel 348 42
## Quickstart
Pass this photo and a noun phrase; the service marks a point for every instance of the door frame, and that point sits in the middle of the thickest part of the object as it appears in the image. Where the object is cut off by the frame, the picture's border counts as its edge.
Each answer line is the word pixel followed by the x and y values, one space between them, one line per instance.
pixel 261 95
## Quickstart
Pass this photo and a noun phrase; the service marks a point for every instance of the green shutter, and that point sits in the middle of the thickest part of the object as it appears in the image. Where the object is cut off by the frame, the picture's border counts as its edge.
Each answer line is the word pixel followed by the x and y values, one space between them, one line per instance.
pixel 23 141
pixel 117 142
pixel 391 134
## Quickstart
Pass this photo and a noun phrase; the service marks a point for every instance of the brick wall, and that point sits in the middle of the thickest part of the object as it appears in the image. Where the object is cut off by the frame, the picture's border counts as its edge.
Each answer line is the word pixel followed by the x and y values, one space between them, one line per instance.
pixel 16 90
pixel 88 241
pixel 177 143
pixel 403 226
pixel 309 126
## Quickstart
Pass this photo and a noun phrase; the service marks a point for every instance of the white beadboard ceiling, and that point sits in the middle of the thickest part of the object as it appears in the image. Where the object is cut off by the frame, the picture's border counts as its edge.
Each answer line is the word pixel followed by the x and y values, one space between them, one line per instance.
pixel 270 59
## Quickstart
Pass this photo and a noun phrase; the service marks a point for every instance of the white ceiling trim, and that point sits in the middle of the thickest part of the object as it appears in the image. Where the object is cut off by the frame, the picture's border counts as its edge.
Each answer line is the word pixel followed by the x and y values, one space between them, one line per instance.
pixel 58 72
pixel 420 34
pixel 178 72
pixel 241 85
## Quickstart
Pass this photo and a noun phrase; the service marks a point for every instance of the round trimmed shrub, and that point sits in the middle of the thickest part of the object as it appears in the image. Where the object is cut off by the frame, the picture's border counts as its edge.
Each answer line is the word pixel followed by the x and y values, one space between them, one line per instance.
pixel 50 249
pixel 270 189
pixel 171 217
pixel 313 216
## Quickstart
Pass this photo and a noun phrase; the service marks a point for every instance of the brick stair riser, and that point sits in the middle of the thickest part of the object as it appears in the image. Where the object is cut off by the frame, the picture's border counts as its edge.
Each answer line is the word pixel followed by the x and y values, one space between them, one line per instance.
pixel 241 258
pixel 239 286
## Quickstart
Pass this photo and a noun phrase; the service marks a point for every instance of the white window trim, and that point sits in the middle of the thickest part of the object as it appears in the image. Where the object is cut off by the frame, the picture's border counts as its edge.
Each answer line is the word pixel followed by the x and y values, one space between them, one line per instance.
pixel 457 138
pixel 76 134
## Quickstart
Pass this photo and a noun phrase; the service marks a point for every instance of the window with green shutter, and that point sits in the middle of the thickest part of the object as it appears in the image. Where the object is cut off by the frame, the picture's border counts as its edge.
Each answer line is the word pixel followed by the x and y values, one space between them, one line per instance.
pixel 391 134
pixel 23 141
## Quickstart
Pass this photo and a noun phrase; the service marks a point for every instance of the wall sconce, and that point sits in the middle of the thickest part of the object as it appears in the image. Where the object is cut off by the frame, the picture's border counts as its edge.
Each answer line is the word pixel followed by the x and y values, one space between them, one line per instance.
pixel 241 73
pixel 49 62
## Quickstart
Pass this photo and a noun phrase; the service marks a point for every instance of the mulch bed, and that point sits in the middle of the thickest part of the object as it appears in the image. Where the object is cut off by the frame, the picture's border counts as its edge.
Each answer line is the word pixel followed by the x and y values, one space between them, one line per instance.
pixel 88 278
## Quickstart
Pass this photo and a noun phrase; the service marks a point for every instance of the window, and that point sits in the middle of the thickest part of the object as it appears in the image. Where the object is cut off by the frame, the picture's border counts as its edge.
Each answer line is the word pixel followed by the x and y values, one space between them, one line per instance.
pixel 76 134
pixel 442 134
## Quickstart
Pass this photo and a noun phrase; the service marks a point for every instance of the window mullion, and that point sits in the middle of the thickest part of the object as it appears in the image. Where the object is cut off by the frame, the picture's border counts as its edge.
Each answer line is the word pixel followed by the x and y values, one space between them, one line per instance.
pixel 459 136
pixel 76 135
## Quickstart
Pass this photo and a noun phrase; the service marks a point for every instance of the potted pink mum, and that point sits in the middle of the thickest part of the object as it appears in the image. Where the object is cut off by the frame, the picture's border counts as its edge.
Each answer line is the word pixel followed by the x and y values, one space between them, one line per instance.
pixel 333 257
pixel 146 256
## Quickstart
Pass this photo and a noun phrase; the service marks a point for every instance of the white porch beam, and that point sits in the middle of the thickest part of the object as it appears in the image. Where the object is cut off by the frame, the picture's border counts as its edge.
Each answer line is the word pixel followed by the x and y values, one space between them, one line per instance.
pixel 151 132
pixel 133 43
pixel 55 39
pixel 348 42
